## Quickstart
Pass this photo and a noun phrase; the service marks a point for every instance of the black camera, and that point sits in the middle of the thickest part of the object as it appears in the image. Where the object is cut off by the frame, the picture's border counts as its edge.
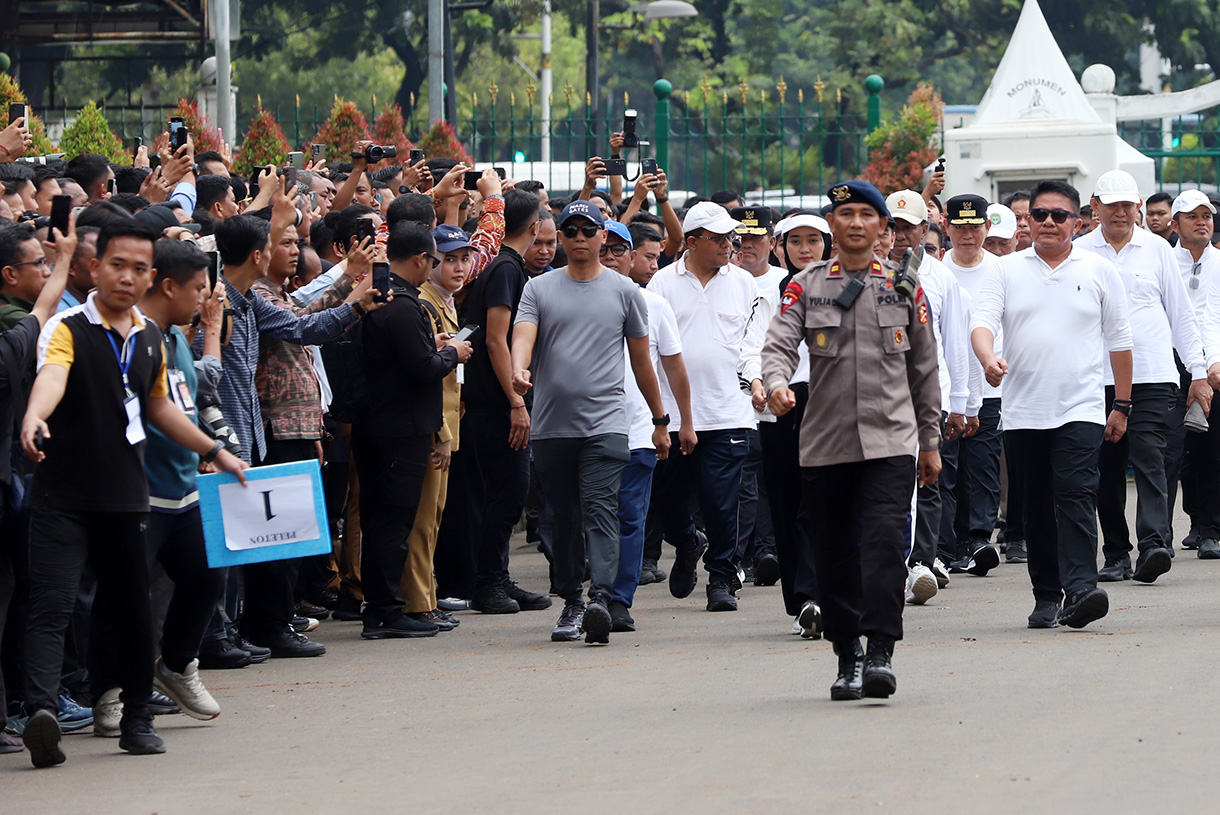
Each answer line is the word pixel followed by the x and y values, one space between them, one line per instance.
pixel 376 152
pixel 629 137
pixel 906 279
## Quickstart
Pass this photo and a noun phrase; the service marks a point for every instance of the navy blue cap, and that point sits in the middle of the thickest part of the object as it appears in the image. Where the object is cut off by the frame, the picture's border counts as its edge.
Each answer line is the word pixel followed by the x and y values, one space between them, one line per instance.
pixel 621 231
pixel 857 192
pixel 450 239
pixel 584 209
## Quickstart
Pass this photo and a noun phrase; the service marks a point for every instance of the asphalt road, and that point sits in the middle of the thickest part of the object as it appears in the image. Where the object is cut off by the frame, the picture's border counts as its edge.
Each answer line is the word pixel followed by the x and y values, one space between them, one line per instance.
pixel 697 712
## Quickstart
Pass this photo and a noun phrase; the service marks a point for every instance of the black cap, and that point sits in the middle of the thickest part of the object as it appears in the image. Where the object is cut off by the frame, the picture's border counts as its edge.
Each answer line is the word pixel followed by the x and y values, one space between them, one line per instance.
pixel 754 220
pixel 966 210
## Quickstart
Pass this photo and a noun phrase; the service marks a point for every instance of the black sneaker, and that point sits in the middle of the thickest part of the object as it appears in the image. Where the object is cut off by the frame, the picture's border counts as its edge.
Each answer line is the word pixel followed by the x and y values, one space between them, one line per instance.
pixel 849 683
pixel 291 645
pixel 221 654
pixel 1045 614
pixel 258 654
pixel 597 622
pixel 648 573
pixel 347 609
pixel 685 575
pixel 307 609
pixel 494 600
pixel 1016 552
pixel 1191 541
pixel 620 617
pixel 567 629
pixel 400 626
pixel 326 598
pixel 1151 564
pixel 138 736
pixel 879 680
pixel 1084 607
pixel 441 620
pixel 983 559
pixel 766 569
pixel 526 600
pixel 1209 549
pixel 1115 571
pixel 42 738
pixel 161 705
pixel 719 597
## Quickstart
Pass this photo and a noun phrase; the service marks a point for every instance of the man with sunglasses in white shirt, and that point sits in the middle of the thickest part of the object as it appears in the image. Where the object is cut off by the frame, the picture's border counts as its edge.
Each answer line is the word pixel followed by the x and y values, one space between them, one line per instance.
pixel 1061 308
pixel 1162 320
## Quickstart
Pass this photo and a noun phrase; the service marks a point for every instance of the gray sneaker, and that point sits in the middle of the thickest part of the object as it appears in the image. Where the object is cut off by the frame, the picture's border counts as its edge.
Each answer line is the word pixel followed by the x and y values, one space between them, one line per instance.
pixel 107 713
pixel 186 690
pixel 1209 549
pixel 570 620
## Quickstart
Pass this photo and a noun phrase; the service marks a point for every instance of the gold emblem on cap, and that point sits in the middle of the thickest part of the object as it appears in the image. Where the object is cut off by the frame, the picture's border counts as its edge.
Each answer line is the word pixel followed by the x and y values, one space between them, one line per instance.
pixel 750 215
pixel 841 193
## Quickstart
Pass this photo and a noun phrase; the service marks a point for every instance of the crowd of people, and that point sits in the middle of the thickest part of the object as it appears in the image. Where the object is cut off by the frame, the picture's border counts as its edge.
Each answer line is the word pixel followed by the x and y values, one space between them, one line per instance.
pixel 847 401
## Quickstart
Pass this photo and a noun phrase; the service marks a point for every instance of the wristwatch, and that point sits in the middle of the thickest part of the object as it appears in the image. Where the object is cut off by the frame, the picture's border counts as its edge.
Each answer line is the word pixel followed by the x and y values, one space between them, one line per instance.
pixel 661 422
pixel 211 455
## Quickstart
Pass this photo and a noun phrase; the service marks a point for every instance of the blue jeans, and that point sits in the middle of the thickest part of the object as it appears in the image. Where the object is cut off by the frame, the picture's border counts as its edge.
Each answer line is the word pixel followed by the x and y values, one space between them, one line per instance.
pixel 634 493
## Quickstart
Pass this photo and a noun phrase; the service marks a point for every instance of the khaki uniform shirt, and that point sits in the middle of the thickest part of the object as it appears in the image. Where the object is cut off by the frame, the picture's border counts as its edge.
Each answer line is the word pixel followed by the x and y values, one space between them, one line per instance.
pixel 453 390
pixel 874 390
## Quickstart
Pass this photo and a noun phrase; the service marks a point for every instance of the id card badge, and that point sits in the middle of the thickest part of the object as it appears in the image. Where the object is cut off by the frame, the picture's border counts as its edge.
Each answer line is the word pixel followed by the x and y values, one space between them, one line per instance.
pixel 181 391
pixel 135 428
pixel 461 373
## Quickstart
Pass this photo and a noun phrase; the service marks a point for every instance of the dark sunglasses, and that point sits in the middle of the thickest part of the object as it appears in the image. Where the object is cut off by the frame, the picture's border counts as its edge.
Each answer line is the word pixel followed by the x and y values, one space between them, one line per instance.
pixel 589 230
pixel 1059 215
pixel 435 260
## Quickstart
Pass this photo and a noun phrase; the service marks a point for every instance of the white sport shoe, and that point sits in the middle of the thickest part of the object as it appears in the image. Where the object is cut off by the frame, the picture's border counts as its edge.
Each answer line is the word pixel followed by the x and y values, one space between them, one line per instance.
pixel 796 626
pixel 940 572
pixel 107 712
pixel 187 690
pixel 921 585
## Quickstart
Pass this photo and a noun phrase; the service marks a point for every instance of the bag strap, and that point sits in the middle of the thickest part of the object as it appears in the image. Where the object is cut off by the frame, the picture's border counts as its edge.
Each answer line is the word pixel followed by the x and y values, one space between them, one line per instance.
pixel 436 317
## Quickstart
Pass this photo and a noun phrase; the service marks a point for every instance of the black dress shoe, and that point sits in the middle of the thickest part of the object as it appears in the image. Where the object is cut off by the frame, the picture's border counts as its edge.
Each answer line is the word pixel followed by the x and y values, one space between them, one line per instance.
pixel 401 626
pixel 493 600
pixel 620 617
pixel 1084 607
pixel 685 574
pixel 307 609
pixel 766 569
pixel 291 645
pixel 327 598
pixel 1045 615
pixel 526 600
pixel 720 597
pixel 879 679
pixel 850 682
pixel 221 654
pixel 1152 563
pixel 1115 571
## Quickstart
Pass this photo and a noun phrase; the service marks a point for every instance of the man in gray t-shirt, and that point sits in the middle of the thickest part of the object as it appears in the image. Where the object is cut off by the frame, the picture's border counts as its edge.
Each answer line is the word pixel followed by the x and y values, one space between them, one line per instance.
pixel 568 336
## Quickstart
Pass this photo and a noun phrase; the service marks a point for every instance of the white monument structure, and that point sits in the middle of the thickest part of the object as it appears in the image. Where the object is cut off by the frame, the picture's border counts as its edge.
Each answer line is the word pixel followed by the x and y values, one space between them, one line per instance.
pixel 1036 122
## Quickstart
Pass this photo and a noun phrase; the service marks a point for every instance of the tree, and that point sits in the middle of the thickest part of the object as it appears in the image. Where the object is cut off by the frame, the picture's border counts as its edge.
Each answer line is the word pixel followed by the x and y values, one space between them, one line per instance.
pixel 264 144
pixel 389 128
pixel 442 142
pixel 342 130
pixel 900 149
pixel 203 134
pixel 91 133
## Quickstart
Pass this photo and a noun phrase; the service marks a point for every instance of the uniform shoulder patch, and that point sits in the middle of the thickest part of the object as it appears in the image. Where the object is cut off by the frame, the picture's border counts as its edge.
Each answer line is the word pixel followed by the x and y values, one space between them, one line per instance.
pixel 791 294
pixel 921 301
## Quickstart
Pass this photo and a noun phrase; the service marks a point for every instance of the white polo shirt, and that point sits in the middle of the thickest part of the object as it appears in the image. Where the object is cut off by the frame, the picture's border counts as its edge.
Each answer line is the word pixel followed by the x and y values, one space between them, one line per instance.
pixel 972 280
pixel 1158 306
pixel 663 341
pixel 1057 323
pixel 712 324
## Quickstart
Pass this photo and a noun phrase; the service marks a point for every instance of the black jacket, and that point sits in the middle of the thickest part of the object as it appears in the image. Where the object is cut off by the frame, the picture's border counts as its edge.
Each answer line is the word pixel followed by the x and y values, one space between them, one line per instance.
pixel 405 371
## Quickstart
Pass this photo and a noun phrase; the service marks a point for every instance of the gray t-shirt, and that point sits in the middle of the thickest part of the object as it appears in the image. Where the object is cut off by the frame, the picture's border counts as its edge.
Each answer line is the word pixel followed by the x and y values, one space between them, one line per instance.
pixel 578 363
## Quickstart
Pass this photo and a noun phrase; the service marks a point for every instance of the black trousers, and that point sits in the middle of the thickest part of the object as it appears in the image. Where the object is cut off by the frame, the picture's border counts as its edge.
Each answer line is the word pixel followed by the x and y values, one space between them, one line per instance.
pixel 1200 470
pixel 1014 516
pixel 7 586
pixel 391 479
pixel 858 513
pixel 114 546
pixel 1059 468
pixel 498 478
pixel 270 588
pixel 781 472
pixel 755 532
pixel 454 561
pixel 978 477
pixel 1143 445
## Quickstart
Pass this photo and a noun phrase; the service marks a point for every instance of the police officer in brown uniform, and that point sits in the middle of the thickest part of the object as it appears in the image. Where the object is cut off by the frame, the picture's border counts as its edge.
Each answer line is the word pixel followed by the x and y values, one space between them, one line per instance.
pixel 874 400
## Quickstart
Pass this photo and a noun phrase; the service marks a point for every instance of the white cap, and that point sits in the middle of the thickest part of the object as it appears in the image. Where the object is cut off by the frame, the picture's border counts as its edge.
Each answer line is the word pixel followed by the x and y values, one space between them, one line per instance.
pixel 1115 186
pixel 712 217
pixel 1191 200
pixel 802 219
pixel 1003 222
pixel 907 205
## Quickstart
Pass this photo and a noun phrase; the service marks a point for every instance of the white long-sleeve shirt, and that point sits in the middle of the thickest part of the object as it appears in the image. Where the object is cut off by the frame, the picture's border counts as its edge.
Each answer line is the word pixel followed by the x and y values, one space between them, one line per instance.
pixel 950 325
pixel 1057 324
pixel 712 324
pixel 749 363
pixel 1198 277
pixel 972 278
pixel 1158 306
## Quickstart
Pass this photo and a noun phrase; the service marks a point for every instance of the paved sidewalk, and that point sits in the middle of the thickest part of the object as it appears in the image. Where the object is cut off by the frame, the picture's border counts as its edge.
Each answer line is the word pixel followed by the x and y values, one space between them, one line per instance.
pixel 697 712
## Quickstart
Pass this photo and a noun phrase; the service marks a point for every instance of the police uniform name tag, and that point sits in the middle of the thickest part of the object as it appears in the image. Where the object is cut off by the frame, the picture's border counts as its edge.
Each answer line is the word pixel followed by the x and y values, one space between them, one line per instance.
pixel 279 515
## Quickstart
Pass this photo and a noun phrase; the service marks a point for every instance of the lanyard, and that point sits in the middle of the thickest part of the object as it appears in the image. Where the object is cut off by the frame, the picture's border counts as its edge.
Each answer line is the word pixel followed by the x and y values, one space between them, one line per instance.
pixel 124 362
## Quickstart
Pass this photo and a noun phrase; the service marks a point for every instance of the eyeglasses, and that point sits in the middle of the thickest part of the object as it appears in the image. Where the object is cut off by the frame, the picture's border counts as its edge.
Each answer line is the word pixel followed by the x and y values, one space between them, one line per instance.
pixel 1194 274
pixel 42 261
pixel 1059 215
pixel 589 230
pixel 435 260
pixel 721 239
pixel 931 247
pixel 618 250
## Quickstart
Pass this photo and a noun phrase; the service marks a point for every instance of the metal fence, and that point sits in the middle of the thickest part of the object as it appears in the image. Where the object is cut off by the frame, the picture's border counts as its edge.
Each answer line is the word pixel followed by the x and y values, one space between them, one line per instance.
pixel 1186 149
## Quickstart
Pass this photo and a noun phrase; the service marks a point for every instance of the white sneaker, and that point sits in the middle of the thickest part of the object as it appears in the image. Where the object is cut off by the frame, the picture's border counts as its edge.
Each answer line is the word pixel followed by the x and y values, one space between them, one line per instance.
pixel 796 626
pixel 810 621
pixel 187 690
pixel 921 585
pixel 107 712
pixel 940 572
